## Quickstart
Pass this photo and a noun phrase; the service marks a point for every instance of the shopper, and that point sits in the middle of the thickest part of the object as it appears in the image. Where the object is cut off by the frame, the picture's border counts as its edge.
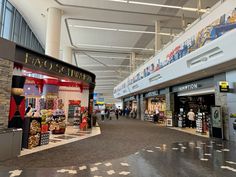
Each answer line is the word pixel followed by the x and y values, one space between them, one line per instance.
pixel 191 118
pixel 157 113
pixel 103 115
pixel 29 110
pixel 117 114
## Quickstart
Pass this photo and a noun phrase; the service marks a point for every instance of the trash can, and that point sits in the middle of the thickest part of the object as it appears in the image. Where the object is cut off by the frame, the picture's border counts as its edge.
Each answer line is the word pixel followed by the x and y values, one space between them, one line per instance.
pixel 11 145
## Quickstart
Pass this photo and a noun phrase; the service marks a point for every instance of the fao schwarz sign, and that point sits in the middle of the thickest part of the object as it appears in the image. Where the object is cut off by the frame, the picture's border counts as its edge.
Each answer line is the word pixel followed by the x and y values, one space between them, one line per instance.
pixel 51 66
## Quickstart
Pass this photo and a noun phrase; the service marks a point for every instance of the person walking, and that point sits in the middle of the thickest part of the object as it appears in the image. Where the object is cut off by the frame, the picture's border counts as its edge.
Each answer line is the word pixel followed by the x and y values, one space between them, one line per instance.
pixel 103 115
pixel 117 114
pixel 191 118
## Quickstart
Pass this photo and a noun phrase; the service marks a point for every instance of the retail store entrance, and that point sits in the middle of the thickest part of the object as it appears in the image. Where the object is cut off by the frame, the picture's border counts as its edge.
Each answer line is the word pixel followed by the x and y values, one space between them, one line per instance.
pixel 200 107
pixel 193 103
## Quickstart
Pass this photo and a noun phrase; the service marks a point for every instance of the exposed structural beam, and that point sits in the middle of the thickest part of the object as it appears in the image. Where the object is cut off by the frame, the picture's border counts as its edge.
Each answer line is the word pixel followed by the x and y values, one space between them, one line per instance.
pixel 118 58
pixel 110 71
pixel 100 51
pixel 115 10
pixel 113 47
pixel 129 24
pixel 161 5
pixel 125 66
pixel 99 61
pixel 121 30
pixel 157 36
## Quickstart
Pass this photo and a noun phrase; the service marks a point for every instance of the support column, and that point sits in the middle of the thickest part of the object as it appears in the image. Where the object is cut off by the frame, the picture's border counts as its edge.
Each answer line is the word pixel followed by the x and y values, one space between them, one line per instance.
pixel 157 36
pixel 90 108
pixel 142 106
pixel 132 62
pixel 53 32
pixel 67 54
pixel 221 100
pixel 138 107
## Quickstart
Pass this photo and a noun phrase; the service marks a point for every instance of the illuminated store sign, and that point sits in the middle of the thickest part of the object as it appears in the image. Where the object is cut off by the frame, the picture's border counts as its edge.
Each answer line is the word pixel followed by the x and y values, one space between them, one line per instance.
pixel 43 63
pixel 151 94
pixel 224 86
pixel 130 99
pixel 188 87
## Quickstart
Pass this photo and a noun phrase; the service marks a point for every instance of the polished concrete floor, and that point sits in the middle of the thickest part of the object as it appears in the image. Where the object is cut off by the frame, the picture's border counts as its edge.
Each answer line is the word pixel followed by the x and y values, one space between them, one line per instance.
pixel 130 148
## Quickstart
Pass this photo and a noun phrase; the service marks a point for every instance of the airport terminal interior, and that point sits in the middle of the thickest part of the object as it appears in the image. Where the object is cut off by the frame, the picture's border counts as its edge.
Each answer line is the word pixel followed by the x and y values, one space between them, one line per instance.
pixel 100 88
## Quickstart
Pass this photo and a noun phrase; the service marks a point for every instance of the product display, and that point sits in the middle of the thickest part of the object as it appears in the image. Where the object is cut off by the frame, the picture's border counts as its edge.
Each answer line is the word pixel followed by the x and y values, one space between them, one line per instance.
pixel 31 132
pixel 201 125
pixel 57 122
pixel 44 138
pixel 182 120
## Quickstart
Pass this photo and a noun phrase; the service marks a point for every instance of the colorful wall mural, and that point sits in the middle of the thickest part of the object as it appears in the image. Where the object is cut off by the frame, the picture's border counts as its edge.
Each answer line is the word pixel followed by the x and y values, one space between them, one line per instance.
pixel 209 33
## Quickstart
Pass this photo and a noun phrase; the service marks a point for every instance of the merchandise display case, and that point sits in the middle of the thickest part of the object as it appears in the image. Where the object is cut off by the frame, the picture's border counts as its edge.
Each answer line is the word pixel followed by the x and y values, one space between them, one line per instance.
pixel 57 122
pixel 201 125
pixel 31 132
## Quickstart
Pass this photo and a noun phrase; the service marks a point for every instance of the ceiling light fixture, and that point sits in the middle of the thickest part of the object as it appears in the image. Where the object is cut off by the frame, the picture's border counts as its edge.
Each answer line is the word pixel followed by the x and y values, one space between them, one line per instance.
pixel 120 30
pixel 115 47
pixel 161 5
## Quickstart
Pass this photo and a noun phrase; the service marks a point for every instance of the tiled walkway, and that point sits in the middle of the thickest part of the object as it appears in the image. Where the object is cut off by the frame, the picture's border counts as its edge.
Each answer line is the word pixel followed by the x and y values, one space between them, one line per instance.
pixel 130 148
pixel 71 135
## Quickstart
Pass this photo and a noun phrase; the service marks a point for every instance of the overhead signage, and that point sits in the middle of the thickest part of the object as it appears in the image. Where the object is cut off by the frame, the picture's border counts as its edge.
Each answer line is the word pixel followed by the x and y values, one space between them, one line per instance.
pixel 151 94
pixel 55 67
pixel 43 63
pixel 224 86
pixel 130 99
pixel 188 87
pixel 100 101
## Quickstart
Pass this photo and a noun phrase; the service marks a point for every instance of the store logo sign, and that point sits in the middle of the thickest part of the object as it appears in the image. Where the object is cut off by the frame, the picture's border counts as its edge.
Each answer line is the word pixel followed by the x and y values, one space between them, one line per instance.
pixel 224 86
pixel 52 66
pixel 151 94
pixel 129 99
pixel 188 87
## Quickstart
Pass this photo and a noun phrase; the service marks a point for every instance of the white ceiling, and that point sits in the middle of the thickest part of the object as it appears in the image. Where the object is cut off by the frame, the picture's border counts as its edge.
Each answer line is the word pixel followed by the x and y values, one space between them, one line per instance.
pixel 102 51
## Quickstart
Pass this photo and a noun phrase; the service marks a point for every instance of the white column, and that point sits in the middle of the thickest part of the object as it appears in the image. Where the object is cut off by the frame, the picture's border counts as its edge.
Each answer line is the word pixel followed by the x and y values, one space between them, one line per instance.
pixel 157 36
pixel 132 62
pixel 53 32
pixel 67 54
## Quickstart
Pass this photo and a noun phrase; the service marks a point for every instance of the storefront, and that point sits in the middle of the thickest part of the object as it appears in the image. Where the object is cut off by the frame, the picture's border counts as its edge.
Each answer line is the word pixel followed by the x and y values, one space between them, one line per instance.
pixel 197 97
pixel 45 94
pixel 155 100
pixel 130 102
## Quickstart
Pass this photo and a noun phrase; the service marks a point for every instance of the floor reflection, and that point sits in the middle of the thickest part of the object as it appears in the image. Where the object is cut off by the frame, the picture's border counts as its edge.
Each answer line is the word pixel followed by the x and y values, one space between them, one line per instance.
pixel 185 159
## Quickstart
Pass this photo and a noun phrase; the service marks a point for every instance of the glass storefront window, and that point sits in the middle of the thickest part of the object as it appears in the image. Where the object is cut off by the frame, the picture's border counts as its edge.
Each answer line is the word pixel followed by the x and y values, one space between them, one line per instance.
pixel 27 36
pixel 22 33
pixel 7 24
pixel 16 27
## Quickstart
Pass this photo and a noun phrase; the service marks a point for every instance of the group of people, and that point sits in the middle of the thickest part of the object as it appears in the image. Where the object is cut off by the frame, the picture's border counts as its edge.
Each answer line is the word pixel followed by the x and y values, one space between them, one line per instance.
pixel 130 113
pixel 127 112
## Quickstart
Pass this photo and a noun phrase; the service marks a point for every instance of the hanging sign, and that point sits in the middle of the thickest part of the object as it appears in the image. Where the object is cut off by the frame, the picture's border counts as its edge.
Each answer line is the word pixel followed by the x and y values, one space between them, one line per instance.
pixel 224 86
